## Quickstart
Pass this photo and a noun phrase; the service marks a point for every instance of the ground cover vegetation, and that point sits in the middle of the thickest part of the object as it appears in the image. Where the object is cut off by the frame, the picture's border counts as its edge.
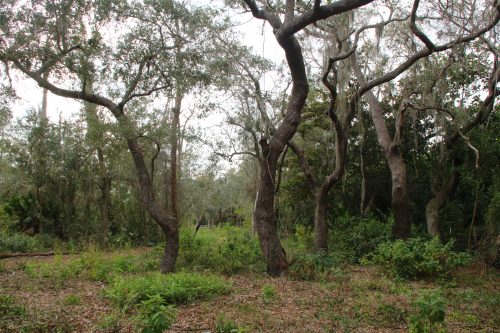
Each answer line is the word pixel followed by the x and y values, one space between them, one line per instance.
pixel 351 184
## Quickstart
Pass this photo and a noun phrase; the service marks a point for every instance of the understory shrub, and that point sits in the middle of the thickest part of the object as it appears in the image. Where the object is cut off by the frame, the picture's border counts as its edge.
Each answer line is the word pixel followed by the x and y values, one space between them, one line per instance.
pixel 311 266
pixel 235 252
pixel 175 288
pixel 19 242
pixel 417 258
pixel 353 237
pixel 92 265
pixel 155 296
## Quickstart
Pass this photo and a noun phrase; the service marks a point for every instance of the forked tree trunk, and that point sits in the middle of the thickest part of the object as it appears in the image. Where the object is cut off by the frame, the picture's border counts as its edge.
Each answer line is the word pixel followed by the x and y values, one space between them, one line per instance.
pixel 437 202
pixel 265 223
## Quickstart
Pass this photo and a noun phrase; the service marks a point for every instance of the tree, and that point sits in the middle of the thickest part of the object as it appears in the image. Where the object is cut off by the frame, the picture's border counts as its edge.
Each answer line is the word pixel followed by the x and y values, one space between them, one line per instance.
pixel 136 67
pixel 391 146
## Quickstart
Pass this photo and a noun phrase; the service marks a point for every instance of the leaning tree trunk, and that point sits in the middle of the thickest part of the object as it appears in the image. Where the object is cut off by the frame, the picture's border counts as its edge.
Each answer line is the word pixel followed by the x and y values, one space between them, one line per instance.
pixel 167 223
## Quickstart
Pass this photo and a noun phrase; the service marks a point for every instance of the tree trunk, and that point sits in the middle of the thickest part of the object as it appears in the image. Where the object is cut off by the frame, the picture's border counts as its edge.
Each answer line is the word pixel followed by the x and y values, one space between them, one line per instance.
pixel 265 224
pixel 168 224
pixel 174 144
pixel 400 199
pixel 167 264
pixel 321 220
pixel 45 91
pixel 437 202
pixel 399 196
pixel 105 198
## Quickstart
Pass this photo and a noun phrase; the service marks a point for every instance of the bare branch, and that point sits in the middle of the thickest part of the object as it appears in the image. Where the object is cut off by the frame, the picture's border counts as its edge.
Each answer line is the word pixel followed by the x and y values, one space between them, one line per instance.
pixel 416 31
pixel 474 149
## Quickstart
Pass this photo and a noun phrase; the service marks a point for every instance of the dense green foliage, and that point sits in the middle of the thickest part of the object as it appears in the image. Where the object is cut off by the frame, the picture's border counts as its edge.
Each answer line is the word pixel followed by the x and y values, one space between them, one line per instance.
pixel 227 250
pixel 417 258
pixel 154 296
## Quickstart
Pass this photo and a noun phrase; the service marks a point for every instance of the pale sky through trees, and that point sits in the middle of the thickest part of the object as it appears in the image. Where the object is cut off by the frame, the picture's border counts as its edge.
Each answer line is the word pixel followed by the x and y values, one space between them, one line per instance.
pixel 251 33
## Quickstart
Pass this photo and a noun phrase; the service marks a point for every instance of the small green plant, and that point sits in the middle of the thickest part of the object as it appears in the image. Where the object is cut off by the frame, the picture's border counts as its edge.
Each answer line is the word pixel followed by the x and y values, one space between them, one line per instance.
pixel 154 315
pixel 417 258
pixel 111 322
pixel 173 288
pixel 9 308
pixel 72 299
pixel 268 293
pixel 224 325
pixel 430 309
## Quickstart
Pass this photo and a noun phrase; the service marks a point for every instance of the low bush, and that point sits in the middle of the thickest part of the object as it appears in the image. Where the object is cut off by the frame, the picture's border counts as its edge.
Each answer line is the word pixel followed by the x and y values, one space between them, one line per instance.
pixel 268 293
pixel 154 315
pixel 235 251
pixel 155 296
pixel 417 258
pixel 173 288
pixel 311 266
pixel 19 242
pixel 353 237
pixel 92 265
pixel 224 325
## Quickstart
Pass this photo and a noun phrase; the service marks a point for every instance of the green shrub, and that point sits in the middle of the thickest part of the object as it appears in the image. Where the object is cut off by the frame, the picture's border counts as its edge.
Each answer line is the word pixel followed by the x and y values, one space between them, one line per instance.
pixel 19 242
pixel 173 288
pixel 154 315
pixel 233 252
pixel 355 236
pixel 268 293
pixel 9 308
pixel 430 309
pixel 417 258
pixel 310 266
pixel 304 238
pixel 92 265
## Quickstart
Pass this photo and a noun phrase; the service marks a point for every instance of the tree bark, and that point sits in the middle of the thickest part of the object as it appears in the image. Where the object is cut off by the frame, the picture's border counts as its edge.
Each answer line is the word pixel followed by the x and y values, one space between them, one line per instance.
pixel 400 200
pixel 265 223
pixel 437 202
pixel 399 194
pixel 95 135
pixel 166 222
